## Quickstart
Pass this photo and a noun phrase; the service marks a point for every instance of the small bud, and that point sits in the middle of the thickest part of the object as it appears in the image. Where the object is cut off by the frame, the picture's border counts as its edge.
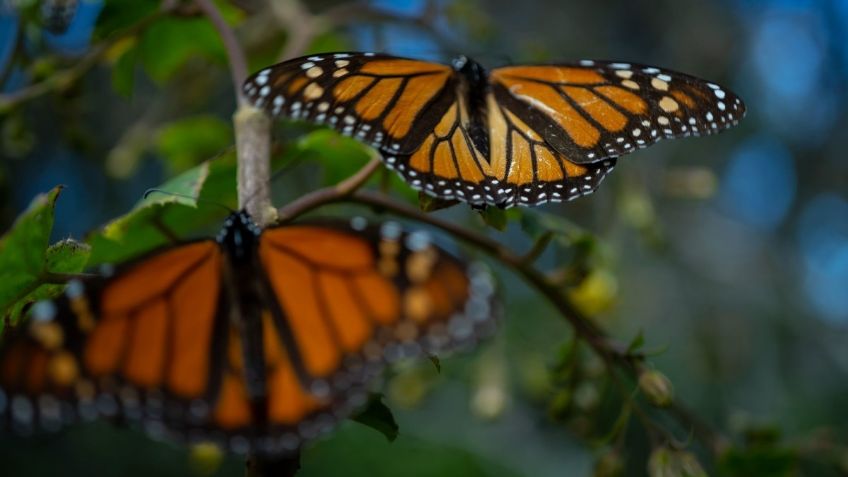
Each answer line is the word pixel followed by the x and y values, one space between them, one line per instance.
pixel 656 388
pixel 665 462
pixel 661 463
pixel 586 396
pixel 596 293
pixel 689 465
pixel 490 396
pixel 610 464
pixel 205 458
pixel 560 405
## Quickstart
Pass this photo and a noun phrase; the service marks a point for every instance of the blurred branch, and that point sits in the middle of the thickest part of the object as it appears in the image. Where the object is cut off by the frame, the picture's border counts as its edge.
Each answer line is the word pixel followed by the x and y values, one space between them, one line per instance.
pixel 253 154
pixel 63 79
pixel 613 352
pixel 235 53
pixel 538 248
pixel 336 193
pixel 303 27
pixel 252 129
pixel 587 331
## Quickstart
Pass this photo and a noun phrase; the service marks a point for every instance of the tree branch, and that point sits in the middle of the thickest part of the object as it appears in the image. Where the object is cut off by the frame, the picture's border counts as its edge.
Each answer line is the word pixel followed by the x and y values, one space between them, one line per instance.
pixel 238 64
pixel 63 79
pixel 609 350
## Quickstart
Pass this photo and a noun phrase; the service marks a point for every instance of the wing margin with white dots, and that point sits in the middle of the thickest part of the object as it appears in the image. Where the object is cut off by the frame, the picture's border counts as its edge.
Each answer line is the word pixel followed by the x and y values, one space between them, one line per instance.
pixel 385 101
pixel 592 110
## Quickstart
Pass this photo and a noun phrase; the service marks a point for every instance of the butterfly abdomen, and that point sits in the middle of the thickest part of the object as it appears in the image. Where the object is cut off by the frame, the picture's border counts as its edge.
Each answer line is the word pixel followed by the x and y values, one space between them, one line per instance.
pixel 474 86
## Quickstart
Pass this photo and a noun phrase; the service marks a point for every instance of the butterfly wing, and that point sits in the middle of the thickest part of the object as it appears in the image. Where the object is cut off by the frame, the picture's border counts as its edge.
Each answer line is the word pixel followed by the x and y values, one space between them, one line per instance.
pixel 140 345
pixel 353 298
pixel 593 110
pixel 519 168
pixel 158 343
pixel 385 101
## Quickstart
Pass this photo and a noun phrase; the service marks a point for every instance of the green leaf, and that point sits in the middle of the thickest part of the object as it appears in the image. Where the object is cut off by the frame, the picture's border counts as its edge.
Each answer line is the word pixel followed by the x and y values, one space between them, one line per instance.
pixel 340 156
pixel 170 42
pixel 428 203
pixel 355 451
pixel 119 14
pixel 186 142
pixel 536 223
pixel 494 217
pixel 66 256
pixel 637 342
pixel 436 363
pixel 25 257
pixel 123 72
pixel 161 218
pixel 772 461
pixel 378 416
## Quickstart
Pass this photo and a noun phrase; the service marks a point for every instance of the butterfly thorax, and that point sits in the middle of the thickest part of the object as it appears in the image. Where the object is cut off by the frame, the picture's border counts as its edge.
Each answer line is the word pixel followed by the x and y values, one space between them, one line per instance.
pixel 474 88
pixel 240 236
pixel 246 294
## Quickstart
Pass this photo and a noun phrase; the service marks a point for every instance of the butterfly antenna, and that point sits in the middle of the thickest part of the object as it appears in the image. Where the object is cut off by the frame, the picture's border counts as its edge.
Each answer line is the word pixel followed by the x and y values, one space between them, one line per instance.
pixel 154 190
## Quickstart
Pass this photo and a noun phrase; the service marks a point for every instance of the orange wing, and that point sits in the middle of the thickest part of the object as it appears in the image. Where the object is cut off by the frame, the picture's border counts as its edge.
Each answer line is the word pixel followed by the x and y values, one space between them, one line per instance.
pixel 159 341
pixel 521 167
pixel 594 110
pixel 140 344
pixel 388 102
pixel 154 344
pixel 353 298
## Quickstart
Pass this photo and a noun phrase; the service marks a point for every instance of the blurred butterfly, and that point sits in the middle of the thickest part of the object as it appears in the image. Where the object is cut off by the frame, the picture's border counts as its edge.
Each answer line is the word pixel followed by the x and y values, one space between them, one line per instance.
pixel 258 340
pixel 525 134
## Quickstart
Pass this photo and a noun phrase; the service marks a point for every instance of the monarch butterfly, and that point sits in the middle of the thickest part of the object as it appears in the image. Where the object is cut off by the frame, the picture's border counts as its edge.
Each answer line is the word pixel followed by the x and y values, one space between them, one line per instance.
pixel 258 340
pixel 524 134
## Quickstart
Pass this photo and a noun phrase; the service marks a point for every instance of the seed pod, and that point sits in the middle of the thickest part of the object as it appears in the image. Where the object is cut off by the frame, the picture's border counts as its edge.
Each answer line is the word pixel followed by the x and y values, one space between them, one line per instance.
pixel 656 388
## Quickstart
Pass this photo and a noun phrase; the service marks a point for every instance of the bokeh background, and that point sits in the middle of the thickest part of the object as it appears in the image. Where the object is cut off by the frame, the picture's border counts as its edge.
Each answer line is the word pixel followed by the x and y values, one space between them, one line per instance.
pixel 728 253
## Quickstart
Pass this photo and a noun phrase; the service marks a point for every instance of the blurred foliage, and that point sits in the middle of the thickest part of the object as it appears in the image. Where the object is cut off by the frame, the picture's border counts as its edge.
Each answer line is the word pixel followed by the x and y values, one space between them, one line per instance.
pixel 378 416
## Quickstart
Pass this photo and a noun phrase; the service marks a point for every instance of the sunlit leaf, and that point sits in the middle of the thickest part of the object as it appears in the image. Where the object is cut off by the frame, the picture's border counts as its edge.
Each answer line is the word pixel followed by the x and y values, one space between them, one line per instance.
pixel 66 256
pixel 160 218
pixel 26 258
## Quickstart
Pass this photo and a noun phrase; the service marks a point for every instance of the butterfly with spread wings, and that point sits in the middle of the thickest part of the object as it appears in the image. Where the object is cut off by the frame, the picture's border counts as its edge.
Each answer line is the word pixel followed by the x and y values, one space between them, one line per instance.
pixel 524 135
pixel 257 341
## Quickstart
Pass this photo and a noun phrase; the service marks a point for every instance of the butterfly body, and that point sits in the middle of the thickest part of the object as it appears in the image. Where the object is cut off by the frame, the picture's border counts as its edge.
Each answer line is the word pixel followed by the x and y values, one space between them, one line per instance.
pixel 525 134
pixel 475 88
pixel 258 340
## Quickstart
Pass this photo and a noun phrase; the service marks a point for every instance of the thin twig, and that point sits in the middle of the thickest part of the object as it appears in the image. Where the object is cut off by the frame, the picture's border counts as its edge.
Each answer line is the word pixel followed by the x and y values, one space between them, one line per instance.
pixel 339 191
pixel 63 79
pixel 581 324
pixel 538 248
pixel 300 25
pixel 238 63
pixel 608 349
